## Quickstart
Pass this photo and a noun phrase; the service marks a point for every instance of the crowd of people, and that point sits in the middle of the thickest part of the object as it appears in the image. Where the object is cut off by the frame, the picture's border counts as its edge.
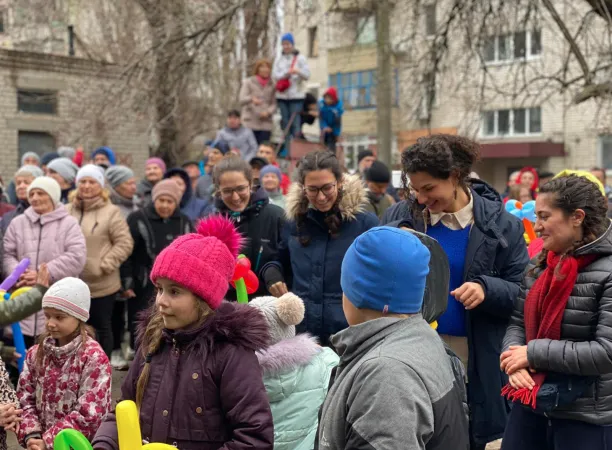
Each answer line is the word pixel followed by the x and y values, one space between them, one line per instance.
pixel 415 318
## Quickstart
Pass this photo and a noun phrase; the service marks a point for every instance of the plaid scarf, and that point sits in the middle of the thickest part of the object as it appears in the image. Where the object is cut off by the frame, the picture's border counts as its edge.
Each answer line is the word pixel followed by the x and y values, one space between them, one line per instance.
pixel 544 309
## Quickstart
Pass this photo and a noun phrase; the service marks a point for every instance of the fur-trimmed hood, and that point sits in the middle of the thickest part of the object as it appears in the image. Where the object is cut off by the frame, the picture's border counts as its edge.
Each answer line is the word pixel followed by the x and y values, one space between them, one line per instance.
pixel 231 323
pixel 353 200
pixel 288 354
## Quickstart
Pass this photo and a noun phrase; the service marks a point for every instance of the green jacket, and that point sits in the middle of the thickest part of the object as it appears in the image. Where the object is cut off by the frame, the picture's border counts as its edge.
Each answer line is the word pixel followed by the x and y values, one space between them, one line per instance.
pixel 296 374
pixel 18 309
pixel 378 205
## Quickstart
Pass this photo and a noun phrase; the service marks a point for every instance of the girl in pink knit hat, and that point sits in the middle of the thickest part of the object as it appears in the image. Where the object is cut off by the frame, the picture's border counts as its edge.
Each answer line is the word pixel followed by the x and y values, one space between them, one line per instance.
pixel 196 379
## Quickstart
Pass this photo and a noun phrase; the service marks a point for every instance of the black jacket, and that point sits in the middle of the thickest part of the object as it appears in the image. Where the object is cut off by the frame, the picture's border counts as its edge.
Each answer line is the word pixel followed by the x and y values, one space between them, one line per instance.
pixel 151 235
pixel 261 224
pixel 585 347
pixel 496 258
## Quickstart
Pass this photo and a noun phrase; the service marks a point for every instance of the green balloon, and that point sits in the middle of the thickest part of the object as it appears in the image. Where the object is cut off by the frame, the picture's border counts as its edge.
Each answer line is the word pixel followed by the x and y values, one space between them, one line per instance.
pixel 71 439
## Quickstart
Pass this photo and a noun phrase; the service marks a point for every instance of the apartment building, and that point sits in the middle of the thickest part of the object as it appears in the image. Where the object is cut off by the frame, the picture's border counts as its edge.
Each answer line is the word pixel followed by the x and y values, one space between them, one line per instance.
pixel 499 91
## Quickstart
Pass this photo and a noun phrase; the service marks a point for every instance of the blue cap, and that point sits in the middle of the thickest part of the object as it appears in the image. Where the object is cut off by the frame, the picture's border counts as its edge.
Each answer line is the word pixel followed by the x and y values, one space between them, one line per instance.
pixel 288 37
pixel 271 169
pixel 385 269
pixel 108 152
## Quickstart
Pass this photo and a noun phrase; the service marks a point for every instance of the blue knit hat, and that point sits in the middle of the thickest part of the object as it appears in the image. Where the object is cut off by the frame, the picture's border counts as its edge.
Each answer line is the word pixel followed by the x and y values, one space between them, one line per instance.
pixel 271 169
pixel 108 152
pixel 288 37
pixel 385 269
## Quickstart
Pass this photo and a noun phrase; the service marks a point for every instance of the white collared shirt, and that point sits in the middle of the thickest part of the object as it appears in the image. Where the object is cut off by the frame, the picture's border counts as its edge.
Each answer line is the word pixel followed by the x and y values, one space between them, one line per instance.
pixel 457 220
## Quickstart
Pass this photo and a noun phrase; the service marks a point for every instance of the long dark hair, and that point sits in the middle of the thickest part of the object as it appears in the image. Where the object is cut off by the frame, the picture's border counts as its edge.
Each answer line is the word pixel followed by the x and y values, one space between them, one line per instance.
pixel 312 162
pixel 441 156
pixel 573 192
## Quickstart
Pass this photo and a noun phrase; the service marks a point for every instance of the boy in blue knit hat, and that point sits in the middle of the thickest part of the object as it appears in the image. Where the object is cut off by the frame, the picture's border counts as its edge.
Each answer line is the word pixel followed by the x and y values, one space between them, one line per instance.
pixel 394 386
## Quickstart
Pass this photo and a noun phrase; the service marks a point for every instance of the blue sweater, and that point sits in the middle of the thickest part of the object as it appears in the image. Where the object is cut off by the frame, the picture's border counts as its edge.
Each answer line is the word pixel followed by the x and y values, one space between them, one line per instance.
pixel 454 243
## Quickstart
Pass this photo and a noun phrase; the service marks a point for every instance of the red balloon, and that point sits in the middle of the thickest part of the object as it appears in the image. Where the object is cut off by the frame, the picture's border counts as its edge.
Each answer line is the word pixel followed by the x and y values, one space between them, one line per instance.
pixel 252 282
pixel 243 265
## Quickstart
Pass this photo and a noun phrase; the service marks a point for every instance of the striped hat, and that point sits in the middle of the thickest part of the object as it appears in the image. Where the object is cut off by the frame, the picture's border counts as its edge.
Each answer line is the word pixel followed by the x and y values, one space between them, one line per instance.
pixel 71 296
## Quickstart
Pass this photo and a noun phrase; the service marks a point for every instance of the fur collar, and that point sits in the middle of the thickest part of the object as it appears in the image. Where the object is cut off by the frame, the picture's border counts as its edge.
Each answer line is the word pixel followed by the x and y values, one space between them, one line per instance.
pixel 353 201
pixel 288 354
pixel 232 323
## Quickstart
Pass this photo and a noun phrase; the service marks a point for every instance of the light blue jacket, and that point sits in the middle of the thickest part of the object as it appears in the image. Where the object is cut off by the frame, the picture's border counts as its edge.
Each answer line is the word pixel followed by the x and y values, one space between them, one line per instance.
pixel 296 374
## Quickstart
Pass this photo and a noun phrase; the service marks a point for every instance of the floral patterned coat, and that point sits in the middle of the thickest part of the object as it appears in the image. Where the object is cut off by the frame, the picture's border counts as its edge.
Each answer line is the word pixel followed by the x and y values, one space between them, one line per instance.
pixel 71 390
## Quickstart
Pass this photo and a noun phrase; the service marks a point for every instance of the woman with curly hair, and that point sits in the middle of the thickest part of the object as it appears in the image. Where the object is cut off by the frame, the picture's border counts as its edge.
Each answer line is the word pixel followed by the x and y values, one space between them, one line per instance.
pixel 325 209
pixel 487 256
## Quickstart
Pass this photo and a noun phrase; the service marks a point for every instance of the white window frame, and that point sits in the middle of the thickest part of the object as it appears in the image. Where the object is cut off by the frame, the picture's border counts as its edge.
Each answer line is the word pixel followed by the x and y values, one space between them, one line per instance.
pixel 511 132
pixel 509 37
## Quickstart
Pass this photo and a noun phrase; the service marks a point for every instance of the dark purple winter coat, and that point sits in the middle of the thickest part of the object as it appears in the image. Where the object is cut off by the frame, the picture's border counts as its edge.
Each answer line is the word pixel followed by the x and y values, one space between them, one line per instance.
pixel 205 388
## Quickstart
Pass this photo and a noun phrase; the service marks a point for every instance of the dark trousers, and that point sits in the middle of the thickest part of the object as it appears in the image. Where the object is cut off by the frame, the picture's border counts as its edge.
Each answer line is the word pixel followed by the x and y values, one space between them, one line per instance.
pixel 289 108
pixel 118 323
pixel 527 430
pixel 101 318
pixel 262 136
pixel 330 140
pixel 135 306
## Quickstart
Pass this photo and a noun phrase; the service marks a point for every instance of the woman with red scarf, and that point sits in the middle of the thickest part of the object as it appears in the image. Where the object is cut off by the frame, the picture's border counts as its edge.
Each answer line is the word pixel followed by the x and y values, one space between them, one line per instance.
pixel 558 346
pixel 258 101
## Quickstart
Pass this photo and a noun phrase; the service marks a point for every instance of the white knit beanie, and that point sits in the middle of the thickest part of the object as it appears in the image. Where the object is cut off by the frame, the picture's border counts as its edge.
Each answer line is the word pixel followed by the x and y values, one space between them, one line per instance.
pixel 282 315
pixel 70 295
pixel 50 186
pixel 91 171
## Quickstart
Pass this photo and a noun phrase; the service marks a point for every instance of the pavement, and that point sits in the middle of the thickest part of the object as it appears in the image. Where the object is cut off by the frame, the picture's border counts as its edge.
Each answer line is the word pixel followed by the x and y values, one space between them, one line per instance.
pixel 118 377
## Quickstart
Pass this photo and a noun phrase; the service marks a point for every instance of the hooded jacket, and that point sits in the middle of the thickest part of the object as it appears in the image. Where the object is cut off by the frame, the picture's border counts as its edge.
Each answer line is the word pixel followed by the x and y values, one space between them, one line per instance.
pixel 394 389
pixel 193 207
pixel 282 64
pixel 330 116
pixel 72 390
pixel 251 113
pixel 296 374
pixel 241 138
pixel 261 224
pixel 151 234
pixel 205 389
pixel 496 259
pixel 108 241
pixel 585 347
pixel 54 238
pixel 313 272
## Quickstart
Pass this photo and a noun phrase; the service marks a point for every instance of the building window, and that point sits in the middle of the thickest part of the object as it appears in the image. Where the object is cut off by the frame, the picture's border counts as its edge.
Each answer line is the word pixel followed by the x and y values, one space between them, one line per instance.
pixel 605 152
pixel 313 43
pixel 512 47
pixel 430 19
pixel 366 30
pixel 3 20
pixel 38 142
pixel 37 102
pixel 512 122
pixel 358 89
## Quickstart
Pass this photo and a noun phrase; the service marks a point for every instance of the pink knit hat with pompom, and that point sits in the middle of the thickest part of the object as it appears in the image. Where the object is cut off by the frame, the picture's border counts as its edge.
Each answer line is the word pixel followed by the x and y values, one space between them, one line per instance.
pixel 202 262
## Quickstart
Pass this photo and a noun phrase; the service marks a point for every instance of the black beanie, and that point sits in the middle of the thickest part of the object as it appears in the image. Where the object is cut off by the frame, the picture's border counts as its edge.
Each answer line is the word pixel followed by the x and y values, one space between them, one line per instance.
pixel 378 173
pixel 364 154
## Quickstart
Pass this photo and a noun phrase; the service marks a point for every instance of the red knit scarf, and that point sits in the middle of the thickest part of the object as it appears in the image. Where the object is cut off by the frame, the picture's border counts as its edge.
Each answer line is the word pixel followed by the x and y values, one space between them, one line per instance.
pixel 263 81
pixel 544 309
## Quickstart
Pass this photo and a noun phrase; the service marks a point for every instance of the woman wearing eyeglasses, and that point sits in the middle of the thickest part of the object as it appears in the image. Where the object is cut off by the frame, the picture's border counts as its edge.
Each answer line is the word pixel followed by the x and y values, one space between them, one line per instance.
pixel 325 209
pixel 259 221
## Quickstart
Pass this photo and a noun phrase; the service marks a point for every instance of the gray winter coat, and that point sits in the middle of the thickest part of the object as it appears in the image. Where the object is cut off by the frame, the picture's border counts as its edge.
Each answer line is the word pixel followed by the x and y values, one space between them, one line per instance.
pixel 585 347
pixel 393 389
pixel 241 138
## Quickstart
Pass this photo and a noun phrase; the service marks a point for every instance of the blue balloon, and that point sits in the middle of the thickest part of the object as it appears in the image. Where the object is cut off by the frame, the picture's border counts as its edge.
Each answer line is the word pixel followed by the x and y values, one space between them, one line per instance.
pixel 511 205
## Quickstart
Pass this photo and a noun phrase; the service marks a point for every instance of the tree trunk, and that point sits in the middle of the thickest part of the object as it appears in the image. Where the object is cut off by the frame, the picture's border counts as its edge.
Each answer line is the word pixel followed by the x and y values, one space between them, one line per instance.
pixel 383 83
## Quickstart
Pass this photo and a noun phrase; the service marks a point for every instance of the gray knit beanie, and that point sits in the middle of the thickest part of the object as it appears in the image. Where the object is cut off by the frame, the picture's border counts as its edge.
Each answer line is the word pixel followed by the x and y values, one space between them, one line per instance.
pixel 27 155
pixel 29 171
pixel 116 175
pixel 282 315
pixel 65 168
pixel 66 152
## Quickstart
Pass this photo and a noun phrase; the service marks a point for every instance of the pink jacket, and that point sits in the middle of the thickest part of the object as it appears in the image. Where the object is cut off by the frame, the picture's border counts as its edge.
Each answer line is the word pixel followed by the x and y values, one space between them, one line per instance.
pixel 54 238
pixel 72 390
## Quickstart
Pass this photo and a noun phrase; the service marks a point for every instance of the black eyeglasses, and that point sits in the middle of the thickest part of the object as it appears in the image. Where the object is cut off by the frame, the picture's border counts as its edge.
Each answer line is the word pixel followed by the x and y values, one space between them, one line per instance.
pixel 240 190
pixel 313 191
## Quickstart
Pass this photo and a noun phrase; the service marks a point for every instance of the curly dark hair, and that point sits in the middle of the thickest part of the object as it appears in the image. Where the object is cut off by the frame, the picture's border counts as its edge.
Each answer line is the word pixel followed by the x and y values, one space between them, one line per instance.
pixel 441 156
pixel 574 192
pixel 319 160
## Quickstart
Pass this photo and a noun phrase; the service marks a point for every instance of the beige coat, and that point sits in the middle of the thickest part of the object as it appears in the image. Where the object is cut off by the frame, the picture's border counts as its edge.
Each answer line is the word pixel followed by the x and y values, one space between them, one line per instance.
pixel 251 112
pixel 109 243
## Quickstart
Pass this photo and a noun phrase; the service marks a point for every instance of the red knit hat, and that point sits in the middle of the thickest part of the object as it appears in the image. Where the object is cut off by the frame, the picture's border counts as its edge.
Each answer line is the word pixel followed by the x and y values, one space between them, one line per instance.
pixel 202 262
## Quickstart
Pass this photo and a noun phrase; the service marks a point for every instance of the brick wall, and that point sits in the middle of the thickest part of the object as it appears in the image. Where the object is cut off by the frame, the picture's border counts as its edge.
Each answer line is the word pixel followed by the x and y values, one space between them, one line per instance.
pixel 94 107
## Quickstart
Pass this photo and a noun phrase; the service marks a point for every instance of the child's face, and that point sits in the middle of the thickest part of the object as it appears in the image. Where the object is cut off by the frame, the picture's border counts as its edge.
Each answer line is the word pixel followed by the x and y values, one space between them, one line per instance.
pixel 177 305
pixel 60 325
pixel 328 100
